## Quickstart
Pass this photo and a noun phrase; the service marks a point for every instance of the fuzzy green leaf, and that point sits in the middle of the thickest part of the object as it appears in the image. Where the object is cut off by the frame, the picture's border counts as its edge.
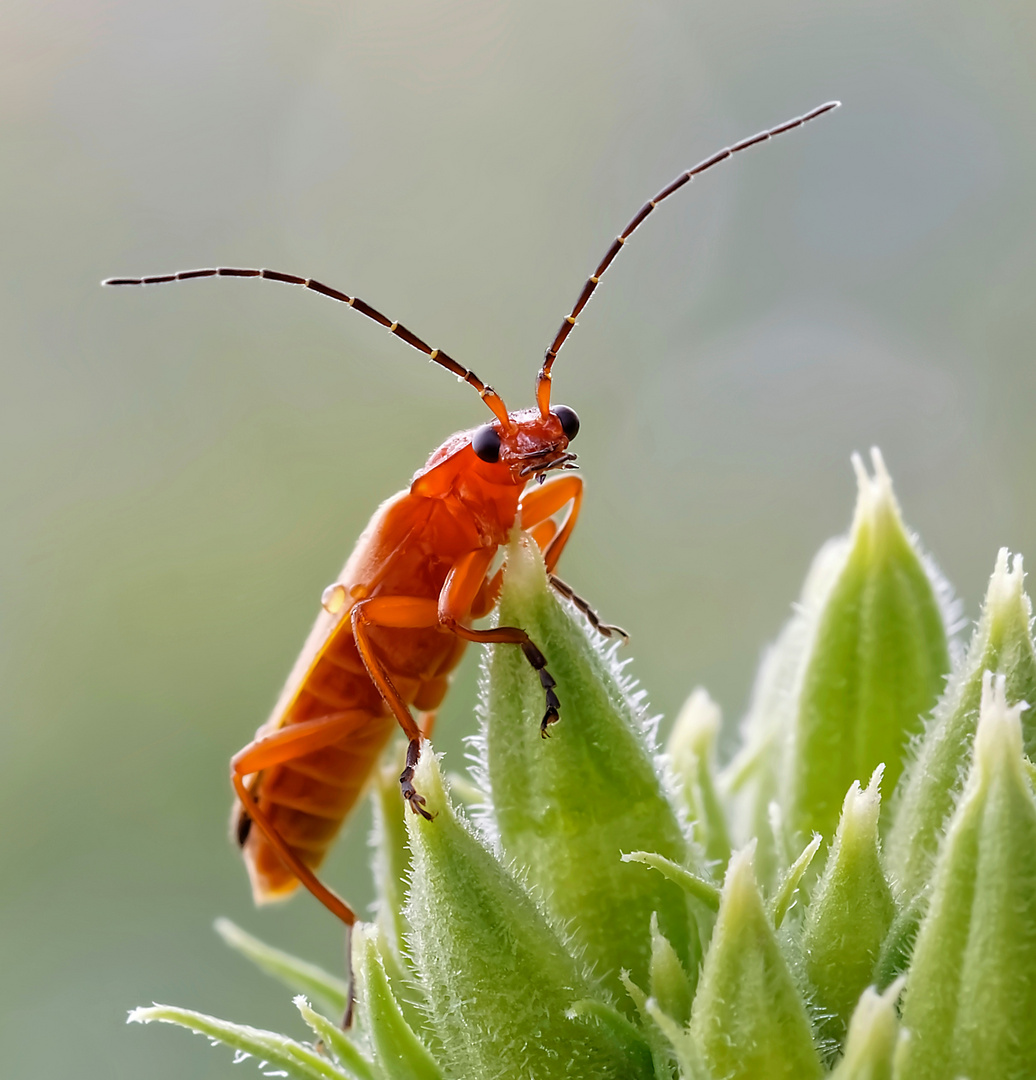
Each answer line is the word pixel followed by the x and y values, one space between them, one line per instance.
pixel 695 886
pixel 568 806
pixel 335 1040
pixel 971 989
pixel 498 977
pixel 786 892
pixel 330 992
pixel 298 1061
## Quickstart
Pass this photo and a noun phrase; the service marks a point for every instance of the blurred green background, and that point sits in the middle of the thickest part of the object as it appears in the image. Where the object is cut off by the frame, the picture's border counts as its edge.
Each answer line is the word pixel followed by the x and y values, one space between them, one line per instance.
pixel 185 468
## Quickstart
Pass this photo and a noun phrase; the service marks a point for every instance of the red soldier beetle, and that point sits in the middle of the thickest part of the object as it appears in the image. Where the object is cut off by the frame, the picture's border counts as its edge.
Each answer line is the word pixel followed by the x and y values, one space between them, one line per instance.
pixel 395 623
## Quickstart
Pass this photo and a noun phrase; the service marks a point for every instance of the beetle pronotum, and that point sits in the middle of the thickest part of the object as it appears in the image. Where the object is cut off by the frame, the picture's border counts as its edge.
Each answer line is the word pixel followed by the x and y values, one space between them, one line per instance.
pixel 395 623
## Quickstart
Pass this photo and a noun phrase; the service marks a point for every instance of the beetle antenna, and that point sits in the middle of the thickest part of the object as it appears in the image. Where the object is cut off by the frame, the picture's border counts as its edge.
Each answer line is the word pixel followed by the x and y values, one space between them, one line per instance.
pixel 487 393
pixel 543 379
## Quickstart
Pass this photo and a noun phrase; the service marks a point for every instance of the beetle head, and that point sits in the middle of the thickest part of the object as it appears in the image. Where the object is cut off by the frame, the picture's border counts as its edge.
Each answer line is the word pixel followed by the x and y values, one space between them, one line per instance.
pixel 531 445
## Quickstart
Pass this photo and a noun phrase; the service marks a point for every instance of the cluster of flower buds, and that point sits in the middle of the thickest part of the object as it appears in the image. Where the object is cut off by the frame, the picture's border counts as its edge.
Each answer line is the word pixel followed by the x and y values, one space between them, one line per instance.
pixel 853 895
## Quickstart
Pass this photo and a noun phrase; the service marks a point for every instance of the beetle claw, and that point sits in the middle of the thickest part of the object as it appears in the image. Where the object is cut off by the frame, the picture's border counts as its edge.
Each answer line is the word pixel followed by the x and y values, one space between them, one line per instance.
pixel 416 801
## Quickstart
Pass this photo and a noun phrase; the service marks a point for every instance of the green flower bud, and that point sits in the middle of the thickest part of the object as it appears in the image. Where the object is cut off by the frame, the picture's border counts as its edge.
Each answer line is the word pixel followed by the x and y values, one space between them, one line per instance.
pixel 692 757
pixel 748 1017
pixel 875 664
pixel 1002 643
pixel 875 1044
pixel 568 806
pixel 498 978
pixel 971 989
pixel 847 682
pixel 850 912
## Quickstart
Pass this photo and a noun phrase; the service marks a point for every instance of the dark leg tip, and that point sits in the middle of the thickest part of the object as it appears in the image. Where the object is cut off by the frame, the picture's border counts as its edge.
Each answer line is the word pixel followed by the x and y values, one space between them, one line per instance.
pixel 417 802
pixel 549 717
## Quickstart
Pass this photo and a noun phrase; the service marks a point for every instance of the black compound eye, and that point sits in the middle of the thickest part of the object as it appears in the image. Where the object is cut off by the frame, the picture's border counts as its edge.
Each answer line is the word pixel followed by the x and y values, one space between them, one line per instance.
pixel 569 420
pixel 486 442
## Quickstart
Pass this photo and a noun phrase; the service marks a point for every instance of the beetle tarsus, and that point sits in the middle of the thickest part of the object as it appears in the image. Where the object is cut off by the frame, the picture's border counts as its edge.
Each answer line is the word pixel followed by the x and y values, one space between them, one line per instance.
pixel 547 681
pixel 406 780
pixel 416 801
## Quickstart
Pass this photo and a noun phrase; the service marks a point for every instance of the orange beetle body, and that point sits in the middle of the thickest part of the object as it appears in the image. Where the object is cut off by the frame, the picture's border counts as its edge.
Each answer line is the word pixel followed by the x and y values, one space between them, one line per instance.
pixel 395 625
pixel 454 517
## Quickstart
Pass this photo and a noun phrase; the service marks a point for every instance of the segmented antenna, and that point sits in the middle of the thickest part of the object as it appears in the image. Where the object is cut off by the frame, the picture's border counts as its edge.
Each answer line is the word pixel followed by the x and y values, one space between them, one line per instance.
pixel 487 393
pixel 543 379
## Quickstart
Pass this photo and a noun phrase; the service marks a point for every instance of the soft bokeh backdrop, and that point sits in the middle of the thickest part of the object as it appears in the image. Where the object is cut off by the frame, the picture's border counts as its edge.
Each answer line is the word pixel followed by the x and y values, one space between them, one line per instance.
pixel 185 468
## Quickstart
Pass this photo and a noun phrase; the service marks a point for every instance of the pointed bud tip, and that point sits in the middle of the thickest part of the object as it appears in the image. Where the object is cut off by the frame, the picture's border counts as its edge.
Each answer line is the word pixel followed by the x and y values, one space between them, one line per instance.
pixel 525 569
pixel 697 724
pixel 860 808
pixel 999 733
pixel 430 787
pixel 876 502
pixel 1006 585
pixel 740 884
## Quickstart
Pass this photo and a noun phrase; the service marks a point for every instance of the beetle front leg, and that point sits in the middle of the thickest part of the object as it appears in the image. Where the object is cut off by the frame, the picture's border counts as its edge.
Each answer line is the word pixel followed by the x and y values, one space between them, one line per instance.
pixel 462 586
pixel 537 509
pixel 543 503
pixel 604 629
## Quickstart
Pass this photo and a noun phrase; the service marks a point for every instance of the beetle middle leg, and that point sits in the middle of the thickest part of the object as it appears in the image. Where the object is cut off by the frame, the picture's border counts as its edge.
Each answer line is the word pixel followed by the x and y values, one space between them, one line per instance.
pixel 401 612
